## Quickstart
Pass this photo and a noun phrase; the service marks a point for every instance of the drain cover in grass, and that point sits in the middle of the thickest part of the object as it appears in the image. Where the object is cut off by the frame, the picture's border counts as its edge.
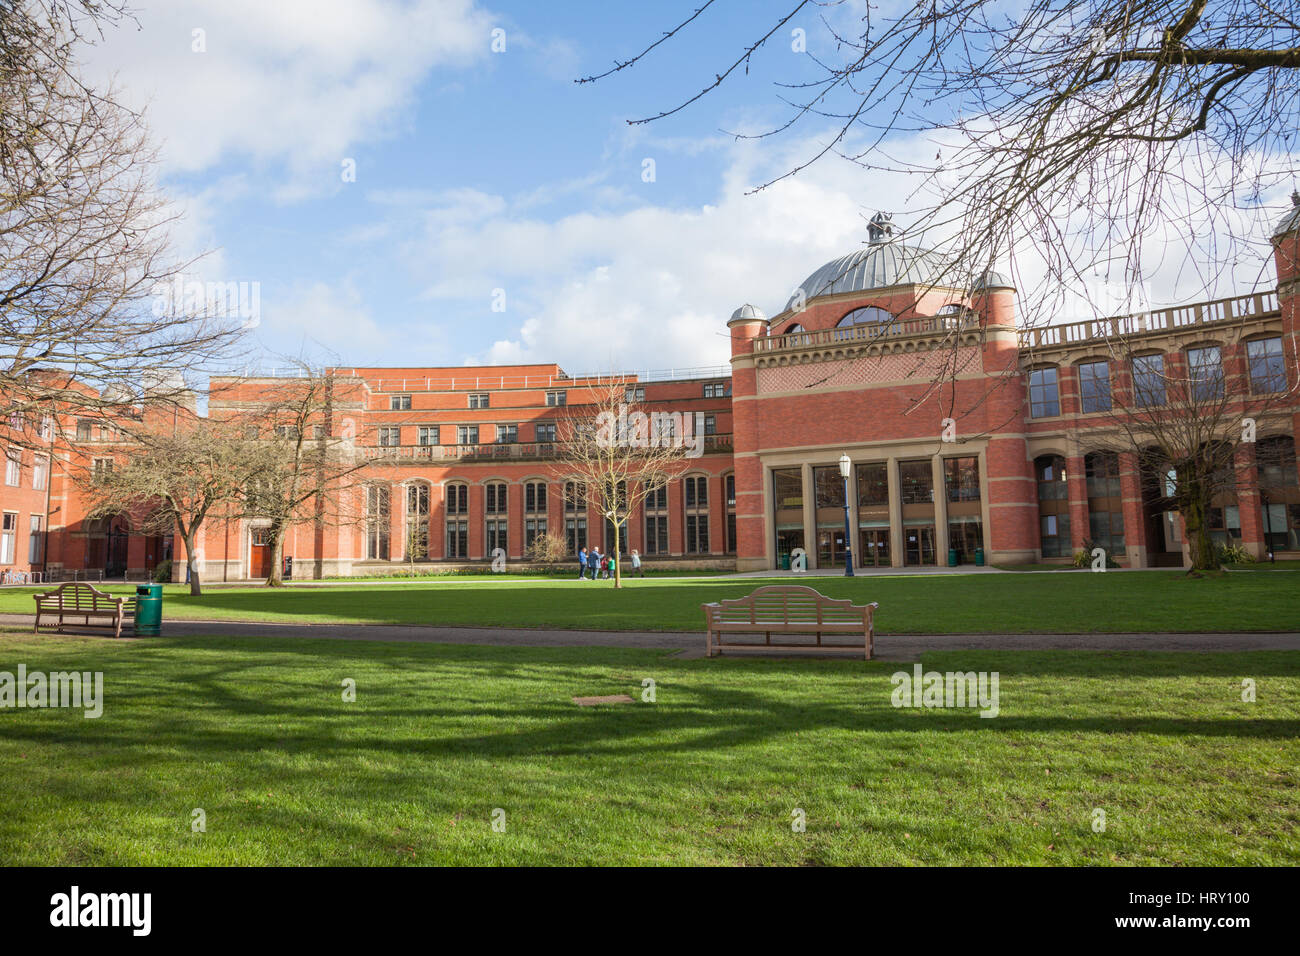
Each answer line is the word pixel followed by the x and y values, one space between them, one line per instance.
pixel 611 699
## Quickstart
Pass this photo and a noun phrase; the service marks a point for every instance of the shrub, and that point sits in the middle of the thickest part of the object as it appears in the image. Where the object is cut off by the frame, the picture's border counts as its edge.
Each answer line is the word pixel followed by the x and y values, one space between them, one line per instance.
pixel 162 572
pixel 1083 559
pixel 548 548
pixel 1233 554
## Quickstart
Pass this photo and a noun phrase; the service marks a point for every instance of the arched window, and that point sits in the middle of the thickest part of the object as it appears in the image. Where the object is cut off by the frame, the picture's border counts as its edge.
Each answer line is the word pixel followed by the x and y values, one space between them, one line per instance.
pixel 1053 506
pixel 496 508
pixel 951 308
pixel 695 501
pixel 457 521
pixel 416 537
pixel 867 315
pixel 377 510
pixel 1105 501
pixel 792 328
pixel 534 512
pixel 1279 493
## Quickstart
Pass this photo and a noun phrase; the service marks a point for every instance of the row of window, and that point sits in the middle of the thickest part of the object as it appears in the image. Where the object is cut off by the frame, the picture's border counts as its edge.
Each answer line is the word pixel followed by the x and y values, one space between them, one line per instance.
pixel 390 436
pixel 1205 379
pixel 560 397
pixel 961 477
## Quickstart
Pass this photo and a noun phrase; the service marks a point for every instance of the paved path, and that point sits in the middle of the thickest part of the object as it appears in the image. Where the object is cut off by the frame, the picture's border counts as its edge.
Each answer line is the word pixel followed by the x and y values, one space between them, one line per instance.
pixel 891 647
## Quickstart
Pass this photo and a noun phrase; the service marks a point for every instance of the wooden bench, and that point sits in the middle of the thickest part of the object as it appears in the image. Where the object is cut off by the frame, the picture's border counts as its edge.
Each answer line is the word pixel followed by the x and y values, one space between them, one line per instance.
pixel 78 603
pixel 787 609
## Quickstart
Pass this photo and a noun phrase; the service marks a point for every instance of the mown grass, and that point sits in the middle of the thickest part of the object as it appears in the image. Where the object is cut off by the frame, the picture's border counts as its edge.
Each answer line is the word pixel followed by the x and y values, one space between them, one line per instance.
pixel 940 604
pixel 256 733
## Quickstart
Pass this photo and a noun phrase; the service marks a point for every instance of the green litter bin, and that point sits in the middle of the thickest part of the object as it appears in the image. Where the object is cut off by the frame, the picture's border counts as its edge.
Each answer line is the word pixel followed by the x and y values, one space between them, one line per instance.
pixel 148 610
pixel 979 557
pixel 785 562
pixel 952 557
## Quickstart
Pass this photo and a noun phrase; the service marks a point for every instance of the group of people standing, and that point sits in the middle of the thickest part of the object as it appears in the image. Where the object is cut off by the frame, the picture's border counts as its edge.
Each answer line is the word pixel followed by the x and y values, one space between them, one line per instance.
pixel 603 565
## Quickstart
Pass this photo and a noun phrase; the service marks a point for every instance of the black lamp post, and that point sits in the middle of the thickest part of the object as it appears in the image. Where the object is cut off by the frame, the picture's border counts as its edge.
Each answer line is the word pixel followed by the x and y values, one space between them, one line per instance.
pixel 845 467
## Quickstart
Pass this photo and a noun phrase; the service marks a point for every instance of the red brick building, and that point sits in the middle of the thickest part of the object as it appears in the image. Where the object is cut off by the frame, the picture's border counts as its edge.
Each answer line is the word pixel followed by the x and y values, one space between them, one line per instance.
pixel 965 433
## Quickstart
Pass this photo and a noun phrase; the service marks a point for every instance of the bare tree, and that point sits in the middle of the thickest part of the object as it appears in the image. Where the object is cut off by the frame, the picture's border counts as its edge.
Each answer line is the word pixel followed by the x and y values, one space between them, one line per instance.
pixel 548 548
pixel 309 451
pixel 84 252
pixel 1086 133
pixel 1185 419
pixel 174 479
pixel 614 453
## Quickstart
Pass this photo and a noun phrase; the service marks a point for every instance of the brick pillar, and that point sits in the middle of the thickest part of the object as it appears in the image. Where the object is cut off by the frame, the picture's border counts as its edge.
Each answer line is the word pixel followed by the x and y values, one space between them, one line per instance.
pixel 1076 484
pixel 717 515
pixel 676 519
pixel 1248 501
pixel 437 521
pixel 755 544
pixel 476 517
pixel 1135 527
pixel 515 518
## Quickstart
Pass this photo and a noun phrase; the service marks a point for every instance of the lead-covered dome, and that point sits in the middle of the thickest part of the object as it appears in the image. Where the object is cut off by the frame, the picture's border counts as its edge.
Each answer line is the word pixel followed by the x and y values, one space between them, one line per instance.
pixel 1291 221
pixel 748 313
pixel 877 266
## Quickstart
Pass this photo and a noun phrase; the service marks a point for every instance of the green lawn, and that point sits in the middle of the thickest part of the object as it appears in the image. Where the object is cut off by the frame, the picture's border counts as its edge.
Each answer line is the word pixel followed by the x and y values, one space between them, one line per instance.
pixel 255 732
pixel 1010 603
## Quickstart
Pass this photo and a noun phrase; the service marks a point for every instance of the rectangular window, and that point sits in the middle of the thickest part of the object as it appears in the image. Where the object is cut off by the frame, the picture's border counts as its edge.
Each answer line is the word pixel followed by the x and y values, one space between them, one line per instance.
pixel 318 432
pixel 399 403
pixel 1044 396
pixel 102 468
pixel 557 398
pixel 962 478
pixel 390 437
pixel 14 467
pixel 916 482
pixel 1149 380
pixel 535 497
pixel 715 390
pixel 458 499
pixel 656 534
pixel 1094 386
pixel 544 432
pixel 1205 367
pixel 467 434
pixel 634 393
pixel 575 496
pixel 40 473
pixel 507 434
pixel 1055 535
pixel 479 399
pixel 829 487
pixel 497 536
pixel 495 499
pixel 1267 370
pixel 534 528
pixel 710 425
pixel 696 492
pixel 575 534
pixel 428 435
pixel 287 432
pixel 697 534
pixel 35 541
pixel 8 537
pixel 458 539
pixel 83 429
pixel 873 485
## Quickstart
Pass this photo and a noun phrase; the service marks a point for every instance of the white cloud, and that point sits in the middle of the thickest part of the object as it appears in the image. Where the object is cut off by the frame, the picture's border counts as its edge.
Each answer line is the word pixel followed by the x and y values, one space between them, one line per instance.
pixel 302 83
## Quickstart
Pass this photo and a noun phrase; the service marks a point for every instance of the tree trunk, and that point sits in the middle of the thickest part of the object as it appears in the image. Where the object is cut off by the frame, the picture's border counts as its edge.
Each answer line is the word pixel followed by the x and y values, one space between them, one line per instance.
pixel 276 578
pixel 1204 557
pixel 196 585
pixel 618 558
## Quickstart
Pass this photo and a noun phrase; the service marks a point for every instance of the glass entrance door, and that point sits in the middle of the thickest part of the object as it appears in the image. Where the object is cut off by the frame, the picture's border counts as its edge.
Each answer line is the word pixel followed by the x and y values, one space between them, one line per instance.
pixel 918 545
pixel 830 548
pixel 873 550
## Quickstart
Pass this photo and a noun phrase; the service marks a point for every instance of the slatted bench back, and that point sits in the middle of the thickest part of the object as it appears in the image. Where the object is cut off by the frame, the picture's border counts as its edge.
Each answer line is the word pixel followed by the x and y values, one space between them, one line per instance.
pixel 76 596
pixel 788 604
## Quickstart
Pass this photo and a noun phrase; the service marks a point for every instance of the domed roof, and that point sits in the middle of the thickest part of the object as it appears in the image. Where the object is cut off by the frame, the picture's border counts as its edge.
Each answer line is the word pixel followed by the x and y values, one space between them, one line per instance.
pixel 1291 221
pixel 877 266
pixel 749 313
pixel 993 280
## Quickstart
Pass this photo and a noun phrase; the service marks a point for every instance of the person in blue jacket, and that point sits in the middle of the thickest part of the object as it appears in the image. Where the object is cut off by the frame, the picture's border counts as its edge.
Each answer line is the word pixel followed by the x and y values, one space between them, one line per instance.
pixel 582 564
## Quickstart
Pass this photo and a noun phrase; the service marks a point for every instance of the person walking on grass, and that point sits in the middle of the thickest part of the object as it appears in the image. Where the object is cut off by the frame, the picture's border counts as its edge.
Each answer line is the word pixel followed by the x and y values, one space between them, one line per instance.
pixel 593 560
pixel 636 564
pixel 612 565
pixel 582 563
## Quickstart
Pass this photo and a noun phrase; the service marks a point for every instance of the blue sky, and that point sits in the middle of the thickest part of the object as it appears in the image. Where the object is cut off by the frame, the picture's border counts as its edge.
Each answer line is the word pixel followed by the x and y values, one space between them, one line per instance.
pixel 479 171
